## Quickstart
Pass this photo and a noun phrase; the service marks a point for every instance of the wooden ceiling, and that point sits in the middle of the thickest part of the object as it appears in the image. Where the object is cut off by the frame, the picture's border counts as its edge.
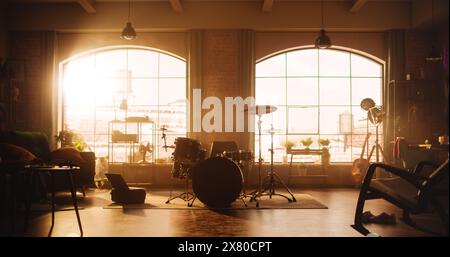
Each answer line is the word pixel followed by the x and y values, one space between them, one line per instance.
pixel 177 5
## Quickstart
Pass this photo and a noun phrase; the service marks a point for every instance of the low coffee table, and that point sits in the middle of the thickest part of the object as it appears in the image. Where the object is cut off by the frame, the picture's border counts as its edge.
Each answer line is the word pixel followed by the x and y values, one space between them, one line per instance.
pixel 52 170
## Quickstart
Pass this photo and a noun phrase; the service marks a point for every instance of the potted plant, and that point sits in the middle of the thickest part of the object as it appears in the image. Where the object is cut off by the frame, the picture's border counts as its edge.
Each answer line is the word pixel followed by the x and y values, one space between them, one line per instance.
pixel 325 142
pixel 307 142
pixel 69 138
pixel 288 145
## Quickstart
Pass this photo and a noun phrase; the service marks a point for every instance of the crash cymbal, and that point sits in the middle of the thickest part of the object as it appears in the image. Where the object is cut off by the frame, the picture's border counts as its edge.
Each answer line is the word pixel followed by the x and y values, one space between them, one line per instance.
pixel 273 131
pixel 165 129
pixel 261 109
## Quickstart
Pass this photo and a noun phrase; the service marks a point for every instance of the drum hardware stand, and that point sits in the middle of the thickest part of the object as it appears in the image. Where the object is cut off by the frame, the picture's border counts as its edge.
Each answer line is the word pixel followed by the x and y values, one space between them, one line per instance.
pixel 185 196
pixel 255 193
pixel 272 177
pixel 244 194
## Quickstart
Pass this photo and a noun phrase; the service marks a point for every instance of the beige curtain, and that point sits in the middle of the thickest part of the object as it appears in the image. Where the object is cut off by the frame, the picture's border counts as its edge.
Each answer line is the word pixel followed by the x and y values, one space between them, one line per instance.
pixel 48 94
pixel 395 72
pixel 194 64
pixel 247 77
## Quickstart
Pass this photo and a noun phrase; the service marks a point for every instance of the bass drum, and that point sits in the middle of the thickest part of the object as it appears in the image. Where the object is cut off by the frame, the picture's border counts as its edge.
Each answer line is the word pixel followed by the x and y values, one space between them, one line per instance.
pixel 217 181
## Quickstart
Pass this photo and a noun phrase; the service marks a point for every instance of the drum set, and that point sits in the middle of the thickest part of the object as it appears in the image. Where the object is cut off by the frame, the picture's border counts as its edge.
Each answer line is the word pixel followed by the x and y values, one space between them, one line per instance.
pixel 218 181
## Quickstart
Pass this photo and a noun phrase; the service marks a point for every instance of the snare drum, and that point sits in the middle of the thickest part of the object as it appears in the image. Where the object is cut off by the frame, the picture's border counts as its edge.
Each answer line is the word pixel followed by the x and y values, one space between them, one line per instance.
pixel 239 156
pixel 188 150
pixel 187 153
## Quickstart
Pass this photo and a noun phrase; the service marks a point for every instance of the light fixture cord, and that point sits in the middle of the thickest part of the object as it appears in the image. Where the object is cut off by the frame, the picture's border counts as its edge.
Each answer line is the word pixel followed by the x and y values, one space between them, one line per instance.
pixel 432 14
pixel 129 9
pixel 321 7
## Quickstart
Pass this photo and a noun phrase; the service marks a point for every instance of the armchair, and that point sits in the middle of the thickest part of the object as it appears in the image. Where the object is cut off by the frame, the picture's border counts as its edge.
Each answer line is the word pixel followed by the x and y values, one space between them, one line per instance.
pixel 414 192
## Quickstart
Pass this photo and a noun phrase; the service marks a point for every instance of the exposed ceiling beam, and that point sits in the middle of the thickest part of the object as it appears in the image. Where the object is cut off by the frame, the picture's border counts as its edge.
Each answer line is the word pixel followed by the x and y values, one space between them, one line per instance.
pixel 176 5
pixel 357 5
pixel 88 6
pixel 267 5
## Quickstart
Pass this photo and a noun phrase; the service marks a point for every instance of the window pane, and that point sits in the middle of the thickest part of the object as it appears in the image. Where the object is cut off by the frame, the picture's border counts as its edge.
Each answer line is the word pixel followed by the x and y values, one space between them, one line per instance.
pixel 111 64
pixel 277 119
pixel 92 101
pixel 360 120
pixel 145 92
pixel 171 91
pixel 322 94
pixel 340 150
pixel 143 63
pixel 75 91
pixel 272 67
pixel 271 91
pixel 302 91
pixel 366 88
pixel 303 120
pixel 334 91
pixel 80 119
pixel 363 67
pixel 83 65
pixel 173 118
pixel 329 119
pixel 302 63
pixel 334 63
pixel 171 66
pixel 107 90
pixel 265 146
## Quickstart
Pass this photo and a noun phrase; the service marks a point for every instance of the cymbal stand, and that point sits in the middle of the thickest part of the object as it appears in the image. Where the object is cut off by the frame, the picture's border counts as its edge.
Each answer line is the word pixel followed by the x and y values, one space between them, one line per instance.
pixel 272 178
pixel 186 196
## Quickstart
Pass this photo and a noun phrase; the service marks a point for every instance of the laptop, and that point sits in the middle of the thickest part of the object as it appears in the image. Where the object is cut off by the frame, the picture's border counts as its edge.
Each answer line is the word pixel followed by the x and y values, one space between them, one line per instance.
pixel 117 182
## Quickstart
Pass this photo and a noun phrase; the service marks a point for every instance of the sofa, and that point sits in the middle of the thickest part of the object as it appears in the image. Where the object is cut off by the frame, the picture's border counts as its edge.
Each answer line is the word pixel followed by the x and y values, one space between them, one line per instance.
pixel 38 144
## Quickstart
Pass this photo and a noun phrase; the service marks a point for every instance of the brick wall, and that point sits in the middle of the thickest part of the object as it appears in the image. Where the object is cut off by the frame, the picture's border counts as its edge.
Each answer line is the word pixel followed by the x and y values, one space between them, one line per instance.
pixel 26 47
pixel 220 73
pixel 426 79
pixel 3 33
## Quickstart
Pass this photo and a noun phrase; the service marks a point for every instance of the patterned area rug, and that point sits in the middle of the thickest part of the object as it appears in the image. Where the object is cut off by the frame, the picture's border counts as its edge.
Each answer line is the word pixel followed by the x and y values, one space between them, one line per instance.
pixel 304 201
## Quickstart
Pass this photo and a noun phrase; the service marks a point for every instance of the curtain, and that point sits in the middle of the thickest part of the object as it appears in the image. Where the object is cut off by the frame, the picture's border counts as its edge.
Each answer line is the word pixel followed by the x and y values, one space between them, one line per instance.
pixel 194 75
pixel 395 70
pixel 48 92
pixel 247 78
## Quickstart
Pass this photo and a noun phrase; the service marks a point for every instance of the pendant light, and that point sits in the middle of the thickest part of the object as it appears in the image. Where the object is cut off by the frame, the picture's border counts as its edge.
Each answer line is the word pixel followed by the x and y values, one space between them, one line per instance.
pixel 434 55
pixel 323 41
pixel 128 32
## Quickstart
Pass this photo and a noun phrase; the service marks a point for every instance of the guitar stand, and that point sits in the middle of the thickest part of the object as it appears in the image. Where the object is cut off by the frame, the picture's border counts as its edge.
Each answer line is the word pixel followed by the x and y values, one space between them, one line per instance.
pixel 186 196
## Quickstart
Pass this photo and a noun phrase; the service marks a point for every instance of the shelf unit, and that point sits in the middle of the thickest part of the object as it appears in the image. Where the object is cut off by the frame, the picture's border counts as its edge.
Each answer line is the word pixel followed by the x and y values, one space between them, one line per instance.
pixel 126 136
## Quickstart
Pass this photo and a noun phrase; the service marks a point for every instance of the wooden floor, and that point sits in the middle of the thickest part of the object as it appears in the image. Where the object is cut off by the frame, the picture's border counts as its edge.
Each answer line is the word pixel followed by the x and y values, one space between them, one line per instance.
pixel 334 221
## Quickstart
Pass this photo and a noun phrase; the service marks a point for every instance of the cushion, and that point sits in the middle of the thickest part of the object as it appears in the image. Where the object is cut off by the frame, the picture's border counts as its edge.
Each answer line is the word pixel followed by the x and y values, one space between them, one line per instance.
pixel 10 152
pixel 66 154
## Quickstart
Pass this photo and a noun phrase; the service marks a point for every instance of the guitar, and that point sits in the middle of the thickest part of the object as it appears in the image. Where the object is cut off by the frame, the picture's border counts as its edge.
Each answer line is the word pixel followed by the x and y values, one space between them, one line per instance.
pixel 360 165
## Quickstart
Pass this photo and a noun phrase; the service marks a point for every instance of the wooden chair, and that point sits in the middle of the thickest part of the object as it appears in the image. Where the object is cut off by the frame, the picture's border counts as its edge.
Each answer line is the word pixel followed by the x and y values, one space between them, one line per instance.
pixel 413 192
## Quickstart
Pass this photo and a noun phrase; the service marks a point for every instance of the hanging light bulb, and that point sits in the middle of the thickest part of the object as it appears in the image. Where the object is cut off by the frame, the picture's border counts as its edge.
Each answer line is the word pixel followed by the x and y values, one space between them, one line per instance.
pixel 322 41
pixel 434 55
pixel 128 32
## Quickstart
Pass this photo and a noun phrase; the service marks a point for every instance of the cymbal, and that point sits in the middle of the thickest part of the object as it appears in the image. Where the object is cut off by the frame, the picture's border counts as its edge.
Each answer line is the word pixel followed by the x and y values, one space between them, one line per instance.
pixel 163 128
pixel 168 146
pixel 273 131
pixel 261 109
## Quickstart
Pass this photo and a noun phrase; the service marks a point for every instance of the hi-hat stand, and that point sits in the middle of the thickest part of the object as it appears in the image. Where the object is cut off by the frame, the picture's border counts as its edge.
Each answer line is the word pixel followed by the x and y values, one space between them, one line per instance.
pixel 267 187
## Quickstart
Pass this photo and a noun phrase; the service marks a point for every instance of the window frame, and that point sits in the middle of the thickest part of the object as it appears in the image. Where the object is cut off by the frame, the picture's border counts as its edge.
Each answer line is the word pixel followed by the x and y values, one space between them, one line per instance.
pixel 351 105
pixel 61 98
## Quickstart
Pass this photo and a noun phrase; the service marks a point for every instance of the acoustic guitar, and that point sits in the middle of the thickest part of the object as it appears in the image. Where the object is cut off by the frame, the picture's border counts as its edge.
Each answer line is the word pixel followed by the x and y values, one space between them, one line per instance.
pixel 360 165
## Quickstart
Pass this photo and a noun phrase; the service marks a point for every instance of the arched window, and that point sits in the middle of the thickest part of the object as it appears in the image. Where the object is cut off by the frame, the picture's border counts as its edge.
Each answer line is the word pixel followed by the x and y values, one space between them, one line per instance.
pixel 120 83
pixel 318 94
